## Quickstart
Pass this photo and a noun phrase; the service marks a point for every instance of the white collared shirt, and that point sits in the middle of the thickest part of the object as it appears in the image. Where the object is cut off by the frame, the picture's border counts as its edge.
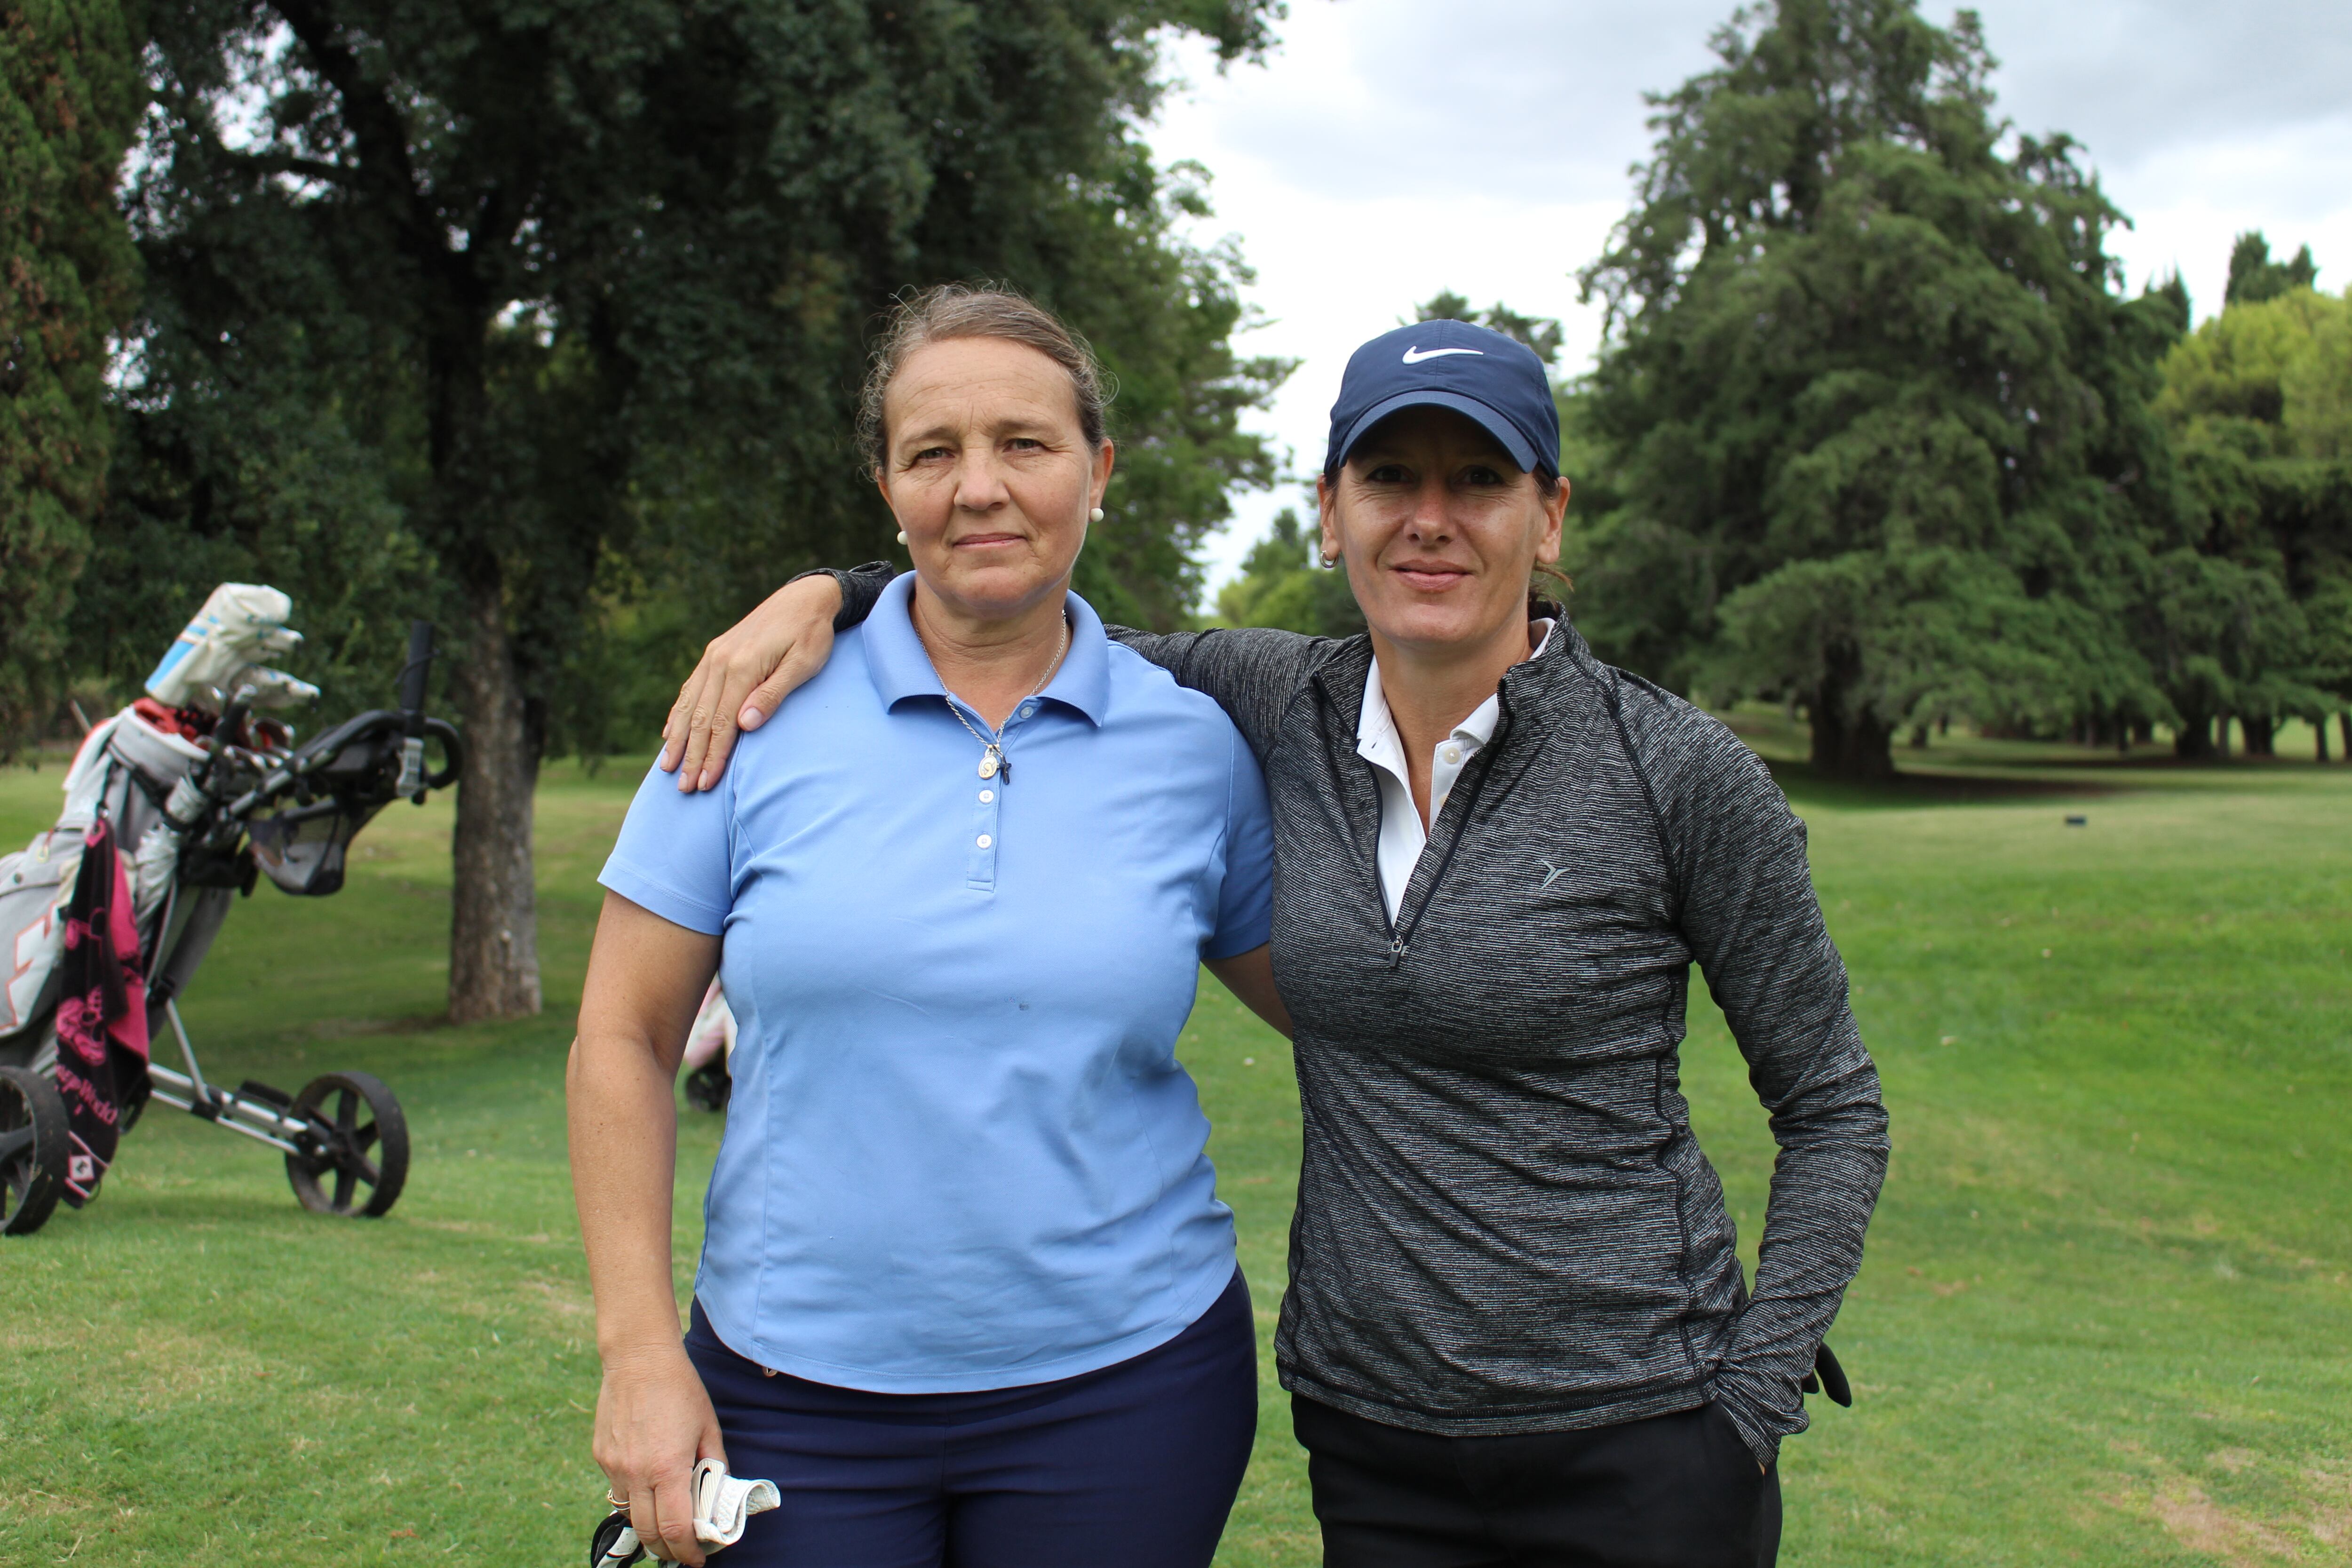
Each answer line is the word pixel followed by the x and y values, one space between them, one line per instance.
pixel 1404 834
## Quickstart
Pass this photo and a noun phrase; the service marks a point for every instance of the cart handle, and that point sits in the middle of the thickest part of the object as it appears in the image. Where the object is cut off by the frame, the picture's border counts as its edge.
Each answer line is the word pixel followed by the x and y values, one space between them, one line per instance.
pixel 311 758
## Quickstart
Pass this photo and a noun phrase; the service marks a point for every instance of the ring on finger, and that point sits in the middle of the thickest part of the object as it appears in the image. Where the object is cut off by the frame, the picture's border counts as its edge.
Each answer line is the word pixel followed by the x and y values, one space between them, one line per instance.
pixel 619 1503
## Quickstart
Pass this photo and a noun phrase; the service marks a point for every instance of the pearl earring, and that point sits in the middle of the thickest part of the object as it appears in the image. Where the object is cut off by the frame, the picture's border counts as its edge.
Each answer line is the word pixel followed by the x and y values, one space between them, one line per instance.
pixel 902 536
pixel 1095 516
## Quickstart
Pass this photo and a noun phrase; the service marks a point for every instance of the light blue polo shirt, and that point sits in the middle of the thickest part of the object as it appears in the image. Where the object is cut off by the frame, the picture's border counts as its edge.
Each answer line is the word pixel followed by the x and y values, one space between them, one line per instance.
pixel 961 1152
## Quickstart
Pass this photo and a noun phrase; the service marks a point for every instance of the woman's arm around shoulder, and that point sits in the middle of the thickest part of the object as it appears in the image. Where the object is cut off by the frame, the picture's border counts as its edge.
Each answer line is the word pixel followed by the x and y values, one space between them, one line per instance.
pixel 747 672
pixel 1252 672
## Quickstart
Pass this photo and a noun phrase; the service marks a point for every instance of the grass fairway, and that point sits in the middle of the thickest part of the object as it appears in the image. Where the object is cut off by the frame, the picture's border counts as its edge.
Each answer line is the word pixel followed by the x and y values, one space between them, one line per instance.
pixel 2105 1317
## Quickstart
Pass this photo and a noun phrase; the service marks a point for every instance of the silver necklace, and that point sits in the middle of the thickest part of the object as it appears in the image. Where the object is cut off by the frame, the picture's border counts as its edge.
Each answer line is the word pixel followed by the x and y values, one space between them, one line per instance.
pixel 993 760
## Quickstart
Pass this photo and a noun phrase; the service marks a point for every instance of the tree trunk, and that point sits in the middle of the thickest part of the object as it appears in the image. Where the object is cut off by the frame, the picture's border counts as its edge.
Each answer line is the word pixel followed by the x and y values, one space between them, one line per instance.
pixel 2319 734
pixel 1860 752
pixel 2193 741
pixel 1856 747
pixel 494 915
pixel 2344 731
pixel 2261 735
pixel 494 928
pixel 2221 737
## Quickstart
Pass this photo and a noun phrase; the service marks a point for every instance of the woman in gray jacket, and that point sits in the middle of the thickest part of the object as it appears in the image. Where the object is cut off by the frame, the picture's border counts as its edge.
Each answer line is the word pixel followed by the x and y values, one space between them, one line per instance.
pixel 1516 1330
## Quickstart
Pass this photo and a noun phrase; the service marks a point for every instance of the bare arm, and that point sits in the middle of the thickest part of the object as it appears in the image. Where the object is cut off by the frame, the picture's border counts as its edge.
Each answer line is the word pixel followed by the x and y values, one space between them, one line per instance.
pixel 1250 976
pixel 654 1421
pixel 745 674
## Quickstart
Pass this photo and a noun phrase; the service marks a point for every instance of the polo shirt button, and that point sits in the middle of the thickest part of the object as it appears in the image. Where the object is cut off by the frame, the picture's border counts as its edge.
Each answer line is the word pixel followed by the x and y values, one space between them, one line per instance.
pixel 986 795
pixel 1452 753
pixel 985 841
pixel 1027 709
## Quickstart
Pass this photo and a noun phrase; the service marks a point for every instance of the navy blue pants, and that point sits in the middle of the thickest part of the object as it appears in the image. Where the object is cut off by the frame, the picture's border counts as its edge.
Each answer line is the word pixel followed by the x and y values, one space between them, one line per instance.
pixel 1134 1465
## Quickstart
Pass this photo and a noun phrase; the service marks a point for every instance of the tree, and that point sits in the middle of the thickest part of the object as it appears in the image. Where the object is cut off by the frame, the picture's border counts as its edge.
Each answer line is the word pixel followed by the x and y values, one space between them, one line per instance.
pixel 2254 277
pixel 2256 582
pixel 1282 584
pixel 1541 333
pixel 1182 393
pixel 576 300
pixel 70 96
pixel 266 431
pixel 1878 413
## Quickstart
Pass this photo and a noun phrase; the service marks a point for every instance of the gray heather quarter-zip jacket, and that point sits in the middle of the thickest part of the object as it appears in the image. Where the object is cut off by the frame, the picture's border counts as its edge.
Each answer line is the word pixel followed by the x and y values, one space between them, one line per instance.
pixel 1504 1222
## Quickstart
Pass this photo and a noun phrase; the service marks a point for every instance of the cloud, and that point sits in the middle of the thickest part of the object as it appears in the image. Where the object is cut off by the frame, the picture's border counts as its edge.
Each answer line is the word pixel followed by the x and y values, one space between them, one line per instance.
pixel 2136 80
pixel 1382 98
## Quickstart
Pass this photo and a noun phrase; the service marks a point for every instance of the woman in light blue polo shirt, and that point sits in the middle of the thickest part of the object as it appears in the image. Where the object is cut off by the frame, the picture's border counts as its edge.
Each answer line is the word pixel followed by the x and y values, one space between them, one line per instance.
pixel 967 1293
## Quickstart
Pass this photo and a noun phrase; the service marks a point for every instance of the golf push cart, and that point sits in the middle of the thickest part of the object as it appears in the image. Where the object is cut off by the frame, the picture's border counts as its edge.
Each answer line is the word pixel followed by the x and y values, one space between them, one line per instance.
pixel 194 794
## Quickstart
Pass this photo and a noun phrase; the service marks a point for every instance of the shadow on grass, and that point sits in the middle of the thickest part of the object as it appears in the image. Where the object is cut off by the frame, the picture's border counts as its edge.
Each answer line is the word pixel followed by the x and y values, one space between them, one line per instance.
pixel 1803 786
pixel 1964 771
pixel 2007 781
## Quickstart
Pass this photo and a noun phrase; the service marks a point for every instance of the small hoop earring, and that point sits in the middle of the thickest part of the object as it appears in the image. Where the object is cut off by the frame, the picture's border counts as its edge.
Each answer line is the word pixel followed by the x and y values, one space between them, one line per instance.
pixel 1330 562
pixel 902 536
pixel 1095 516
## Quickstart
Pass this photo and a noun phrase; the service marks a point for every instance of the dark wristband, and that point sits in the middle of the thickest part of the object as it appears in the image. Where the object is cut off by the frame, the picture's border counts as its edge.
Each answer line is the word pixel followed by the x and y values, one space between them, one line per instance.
pixel 861 588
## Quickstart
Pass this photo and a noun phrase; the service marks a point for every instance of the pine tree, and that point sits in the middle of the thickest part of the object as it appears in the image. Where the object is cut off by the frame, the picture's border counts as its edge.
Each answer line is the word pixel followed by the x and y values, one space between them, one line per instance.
pixel 1878 412
pixel 2254 277
pixel 1541 333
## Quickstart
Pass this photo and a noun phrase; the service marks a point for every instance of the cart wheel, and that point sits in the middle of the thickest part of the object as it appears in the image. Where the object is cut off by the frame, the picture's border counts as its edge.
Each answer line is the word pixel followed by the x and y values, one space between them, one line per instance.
pixel 358 1137
pixel 32 1149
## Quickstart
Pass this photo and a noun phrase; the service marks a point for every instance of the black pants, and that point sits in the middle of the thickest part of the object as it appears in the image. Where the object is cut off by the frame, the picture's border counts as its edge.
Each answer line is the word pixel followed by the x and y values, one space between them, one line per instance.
pixel 1672 1491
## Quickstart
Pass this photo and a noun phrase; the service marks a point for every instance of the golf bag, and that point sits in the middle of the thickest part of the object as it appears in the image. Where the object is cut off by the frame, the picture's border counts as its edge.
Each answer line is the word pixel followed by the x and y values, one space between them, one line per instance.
pixel 187 798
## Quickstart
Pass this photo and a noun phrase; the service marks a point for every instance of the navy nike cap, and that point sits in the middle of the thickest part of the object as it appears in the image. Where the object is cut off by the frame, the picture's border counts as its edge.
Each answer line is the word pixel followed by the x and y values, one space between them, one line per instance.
pixel 1496 379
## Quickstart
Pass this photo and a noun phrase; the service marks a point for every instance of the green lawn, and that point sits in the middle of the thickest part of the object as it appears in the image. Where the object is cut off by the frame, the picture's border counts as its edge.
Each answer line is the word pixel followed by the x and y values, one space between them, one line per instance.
pixel 2105 1317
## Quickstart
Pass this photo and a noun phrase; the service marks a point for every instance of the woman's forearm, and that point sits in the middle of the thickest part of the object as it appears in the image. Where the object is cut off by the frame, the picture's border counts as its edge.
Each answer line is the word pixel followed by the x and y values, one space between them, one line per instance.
pixel 623 1127
pixel 645 979
pixel 653 1420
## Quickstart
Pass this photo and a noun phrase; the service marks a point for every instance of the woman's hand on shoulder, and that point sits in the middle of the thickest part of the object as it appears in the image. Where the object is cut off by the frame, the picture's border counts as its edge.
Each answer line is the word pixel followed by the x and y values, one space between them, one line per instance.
pixel 653 1423
pixel 746 673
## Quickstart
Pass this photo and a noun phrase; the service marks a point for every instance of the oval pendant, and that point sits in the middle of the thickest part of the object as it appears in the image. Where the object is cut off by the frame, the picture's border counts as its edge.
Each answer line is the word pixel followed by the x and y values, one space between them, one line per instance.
pixel 988 765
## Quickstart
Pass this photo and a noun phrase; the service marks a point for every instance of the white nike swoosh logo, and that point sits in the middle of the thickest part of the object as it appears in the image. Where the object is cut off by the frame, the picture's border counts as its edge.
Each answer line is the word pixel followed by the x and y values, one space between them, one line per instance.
pixel 1414 356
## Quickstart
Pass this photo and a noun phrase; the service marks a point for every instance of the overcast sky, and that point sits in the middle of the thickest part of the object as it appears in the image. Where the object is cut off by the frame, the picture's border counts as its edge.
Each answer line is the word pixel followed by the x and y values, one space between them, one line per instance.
pixel 1391 148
